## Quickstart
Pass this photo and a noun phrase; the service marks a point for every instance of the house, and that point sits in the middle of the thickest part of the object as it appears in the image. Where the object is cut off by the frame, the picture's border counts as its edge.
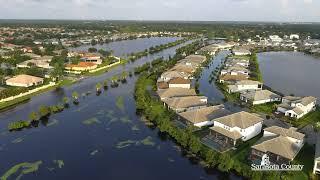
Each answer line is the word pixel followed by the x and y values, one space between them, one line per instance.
pixel 316 167
pixel 275 38
pixel 196 58
pixel 296 107
pixel 241 52
pixel 294 36
pixel 180 104
pixel 235 70
pixel 280 144
pixel 203 116
pixel 232 78
pixel 175 92
pixel 259 97
pixel 162 85
pixel 211 49
pixel 91 57
pixel 184 68
pixel 41 62
pixel 179 83
pixel 245 85
pixel 232 128
pixel 24 80
pixel 167 76
pixel 81 66
pixel 234 61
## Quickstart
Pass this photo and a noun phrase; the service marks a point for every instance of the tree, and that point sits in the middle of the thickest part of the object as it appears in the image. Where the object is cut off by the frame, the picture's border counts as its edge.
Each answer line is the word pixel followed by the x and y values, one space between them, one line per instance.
pixel 98 87
pixel 57 71
pixel 44 111
pixel 65 100
pixel 75 95
pixel 92 50
pixel 33 116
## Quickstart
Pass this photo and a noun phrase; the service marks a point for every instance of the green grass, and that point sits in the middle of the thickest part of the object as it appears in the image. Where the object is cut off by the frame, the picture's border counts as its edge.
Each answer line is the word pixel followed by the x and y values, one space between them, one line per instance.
pixel 310 119
pixel 25 168
pixel 267 108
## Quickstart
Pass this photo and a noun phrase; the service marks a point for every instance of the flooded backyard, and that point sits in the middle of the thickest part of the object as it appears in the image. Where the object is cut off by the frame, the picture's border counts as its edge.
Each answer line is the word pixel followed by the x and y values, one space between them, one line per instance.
pixel 101 138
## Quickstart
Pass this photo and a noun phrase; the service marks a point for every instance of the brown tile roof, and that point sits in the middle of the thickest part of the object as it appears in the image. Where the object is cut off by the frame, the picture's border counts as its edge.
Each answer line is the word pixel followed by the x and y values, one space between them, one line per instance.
pixel 231 134
pixel 24 79
pixel 162 85
pixel 179 81
pixel 291 132
pixel 204 114
pixel 176 92
pixel 278 145
pixel 242 120
pixel 185 102
pixel 228 77
pixel 260 95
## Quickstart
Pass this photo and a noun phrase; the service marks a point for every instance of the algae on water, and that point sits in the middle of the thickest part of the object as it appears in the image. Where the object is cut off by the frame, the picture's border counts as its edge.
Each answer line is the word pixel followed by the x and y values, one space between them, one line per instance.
pixel 23 168
pixel 120 103
pixel 91 121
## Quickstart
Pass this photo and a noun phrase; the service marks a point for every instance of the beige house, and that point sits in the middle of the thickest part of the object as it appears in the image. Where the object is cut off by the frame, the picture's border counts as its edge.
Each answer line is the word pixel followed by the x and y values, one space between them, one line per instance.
pixel 297 107
pixel 24 80
pixel 259 97
pixel 180 104
pixel 175 92
pixel 280 144
pixel 179 83
pixel 203 116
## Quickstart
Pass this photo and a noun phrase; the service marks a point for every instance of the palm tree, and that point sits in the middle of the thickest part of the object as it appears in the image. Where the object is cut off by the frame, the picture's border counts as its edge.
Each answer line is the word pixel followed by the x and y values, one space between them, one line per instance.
pixel 105 84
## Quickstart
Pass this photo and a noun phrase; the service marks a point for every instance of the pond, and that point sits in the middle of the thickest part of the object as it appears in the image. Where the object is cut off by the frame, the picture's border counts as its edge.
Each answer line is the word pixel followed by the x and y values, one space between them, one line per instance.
pixel 122 48
pixel 101 138
pixel 291 73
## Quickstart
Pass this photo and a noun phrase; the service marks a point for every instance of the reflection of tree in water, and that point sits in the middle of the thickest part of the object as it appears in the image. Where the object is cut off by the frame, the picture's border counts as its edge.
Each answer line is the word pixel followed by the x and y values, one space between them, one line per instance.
pixel 44 121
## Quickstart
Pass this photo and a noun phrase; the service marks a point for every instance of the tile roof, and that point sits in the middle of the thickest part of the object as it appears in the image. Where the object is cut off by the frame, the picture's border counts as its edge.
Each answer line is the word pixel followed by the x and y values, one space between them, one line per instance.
pixel 291 132
pixel 241 119
pixel 231 134
pixel 176 92
pixel 185 102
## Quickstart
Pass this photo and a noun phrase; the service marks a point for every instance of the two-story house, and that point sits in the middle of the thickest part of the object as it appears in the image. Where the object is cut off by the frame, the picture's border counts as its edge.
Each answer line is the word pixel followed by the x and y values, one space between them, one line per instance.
pixel 297 107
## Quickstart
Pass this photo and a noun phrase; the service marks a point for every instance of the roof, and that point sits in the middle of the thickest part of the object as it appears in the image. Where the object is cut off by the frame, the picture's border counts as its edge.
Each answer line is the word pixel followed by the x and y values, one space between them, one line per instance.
pixel 204 114
pixel 298 110
pixel 231 134
pixel 185 102
pixel 308 100
pixel 228 77
pixel 248 82
pixel 196 58
pixel 162 85
pixel 279 145
pixel 241 119
pixel 179 80
pixel 173 74
pixel 24 79
pixel 82 64
pixel 291 132
pixel 183 68
pixel 176 92
pixel 260 95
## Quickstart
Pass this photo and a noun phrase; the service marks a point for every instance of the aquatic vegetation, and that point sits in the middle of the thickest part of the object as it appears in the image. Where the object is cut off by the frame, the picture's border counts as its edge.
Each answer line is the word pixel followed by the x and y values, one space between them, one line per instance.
pixel 18 140
pixel 120 102
pixel 148 141
pixel 135 128
pixel 124 144
pixel 25 168
pixel 94 152
pixel 60 163
pixel 53 122
pixel 91 121
pixel 18 125
pixel 125 120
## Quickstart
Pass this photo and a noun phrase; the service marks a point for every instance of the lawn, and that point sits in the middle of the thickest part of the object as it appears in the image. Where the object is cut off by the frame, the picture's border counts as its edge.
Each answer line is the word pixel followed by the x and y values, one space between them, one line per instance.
pixel 267 108
pixel 309 119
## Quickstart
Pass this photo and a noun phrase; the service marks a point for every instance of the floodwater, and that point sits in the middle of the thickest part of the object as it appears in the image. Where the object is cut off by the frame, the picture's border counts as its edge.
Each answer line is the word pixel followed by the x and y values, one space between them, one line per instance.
pixel 101 138
pixel 291 73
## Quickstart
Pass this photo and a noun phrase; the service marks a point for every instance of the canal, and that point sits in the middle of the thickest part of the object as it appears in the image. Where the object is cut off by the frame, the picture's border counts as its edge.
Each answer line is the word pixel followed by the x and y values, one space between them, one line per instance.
pixel 101 138
pixel 291 73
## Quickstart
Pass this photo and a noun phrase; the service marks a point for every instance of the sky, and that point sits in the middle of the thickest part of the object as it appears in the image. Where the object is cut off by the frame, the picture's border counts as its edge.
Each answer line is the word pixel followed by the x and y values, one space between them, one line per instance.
pixel 187 10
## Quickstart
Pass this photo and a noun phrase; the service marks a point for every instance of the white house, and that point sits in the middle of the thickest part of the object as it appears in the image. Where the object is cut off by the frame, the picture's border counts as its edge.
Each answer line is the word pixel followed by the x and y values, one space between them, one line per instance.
pixel 259 97
pixel 297 107
pixel 235 70
pixel 233 62
pixel 179 83
pixel 238 126
pixel 203 116
pixel 275 38
pixel 280 144
pixel 168 75
pixel 245 85
pixel 241 52
pixel 294 36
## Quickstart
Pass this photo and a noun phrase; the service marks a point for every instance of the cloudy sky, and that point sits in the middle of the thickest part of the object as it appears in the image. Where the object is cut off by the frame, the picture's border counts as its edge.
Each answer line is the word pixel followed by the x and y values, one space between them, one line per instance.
pixel 203 10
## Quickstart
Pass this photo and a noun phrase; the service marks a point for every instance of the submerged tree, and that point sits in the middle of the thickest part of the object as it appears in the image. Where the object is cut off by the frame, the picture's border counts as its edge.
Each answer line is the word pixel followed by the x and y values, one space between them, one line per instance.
pixel 33 116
